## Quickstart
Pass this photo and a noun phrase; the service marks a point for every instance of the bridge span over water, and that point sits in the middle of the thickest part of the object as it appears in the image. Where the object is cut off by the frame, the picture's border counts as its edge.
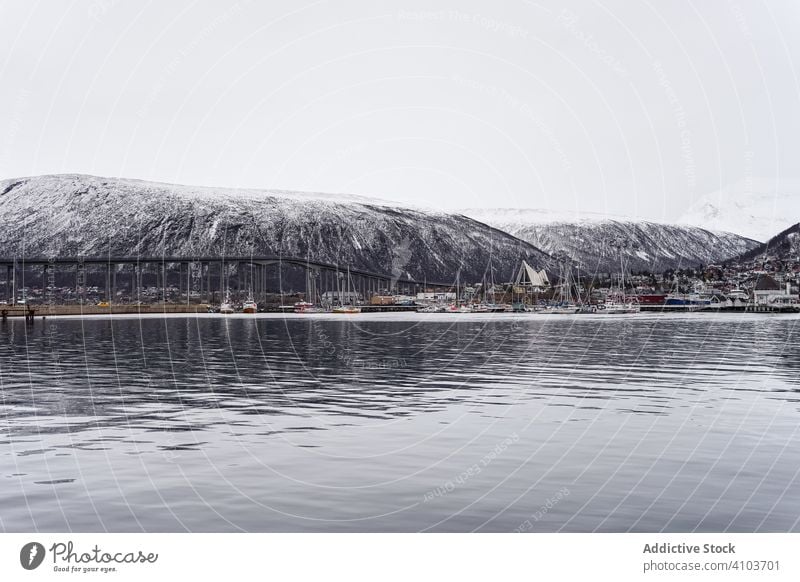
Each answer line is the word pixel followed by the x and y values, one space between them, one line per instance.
pixel 205 277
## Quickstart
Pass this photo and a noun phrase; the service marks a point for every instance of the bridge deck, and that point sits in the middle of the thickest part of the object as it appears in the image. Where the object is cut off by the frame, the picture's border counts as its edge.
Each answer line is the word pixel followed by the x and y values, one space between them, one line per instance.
pixel 21 262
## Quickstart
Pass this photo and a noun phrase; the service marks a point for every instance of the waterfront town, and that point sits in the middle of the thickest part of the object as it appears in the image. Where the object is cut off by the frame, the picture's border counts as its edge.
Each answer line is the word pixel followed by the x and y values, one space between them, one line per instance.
pixel 767 282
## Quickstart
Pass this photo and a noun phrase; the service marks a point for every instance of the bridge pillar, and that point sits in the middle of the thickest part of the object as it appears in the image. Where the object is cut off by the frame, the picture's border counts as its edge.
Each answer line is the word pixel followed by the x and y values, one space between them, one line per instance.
pixel 221 280
pixel 80 282
pixel 180 281
pixel 197 283
pixel 108 282
pixel 162 289
pixel 137 277
pixel 209 295
pixel 189 271
pixel 315 285
pixel 14 283
pixel 239 272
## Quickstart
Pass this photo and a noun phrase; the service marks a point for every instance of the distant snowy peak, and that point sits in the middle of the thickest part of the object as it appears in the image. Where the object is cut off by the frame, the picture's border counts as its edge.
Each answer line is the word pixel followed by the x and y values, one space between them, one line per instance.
pixel 523 216
pixel 756 208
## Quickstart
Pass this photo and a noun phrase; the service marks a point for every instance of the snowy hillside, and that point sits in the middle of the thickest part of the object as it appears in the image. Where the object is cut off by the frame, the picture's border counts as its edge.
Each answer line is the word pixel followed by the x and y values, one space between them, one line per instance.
pixel 784 245
pixel 755 208
pixel 596 241
pixel 71 215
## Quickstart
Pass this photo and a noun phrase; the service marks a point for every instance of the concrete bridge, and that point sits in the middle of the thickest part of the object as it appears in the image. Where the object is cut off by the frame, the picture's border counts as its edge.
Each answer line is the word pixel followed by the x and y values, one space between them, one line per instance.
pixel 205 276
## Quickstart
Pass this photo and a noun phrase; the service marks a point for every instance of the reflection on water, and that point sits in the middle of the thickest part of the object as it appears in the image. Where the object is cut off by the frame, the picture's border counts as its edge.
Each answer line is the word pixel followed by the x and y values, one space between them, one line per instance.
pixel 400 423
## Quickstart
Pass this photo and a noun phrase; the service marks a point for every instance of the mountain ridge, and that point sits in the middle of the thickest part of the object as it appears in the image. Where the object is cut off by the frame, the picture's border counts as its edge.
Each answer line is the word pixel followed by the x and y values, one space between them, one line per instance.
pixel 74 214
pixel 596 241
pixel 783 244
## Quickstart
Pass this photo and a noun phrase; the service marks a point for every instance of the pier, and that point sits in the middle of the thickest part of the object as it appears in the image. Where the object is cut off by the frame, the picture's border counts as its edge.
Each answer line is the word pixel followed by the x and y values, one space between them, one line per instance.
pixel 751 308
pixel 31 312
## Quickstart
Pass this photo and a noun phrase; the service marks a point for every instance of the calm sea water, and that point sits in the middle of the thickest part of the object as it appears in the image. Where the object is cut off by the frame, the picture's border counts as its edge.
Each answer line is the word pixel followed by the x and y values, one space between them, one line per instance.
pixel 401 423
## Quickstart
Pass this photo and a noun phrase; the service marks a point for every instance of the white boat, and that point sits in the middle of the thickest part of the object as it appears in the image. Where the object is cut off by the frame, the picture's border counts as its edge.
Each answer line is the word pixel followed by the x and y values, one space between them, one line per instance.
pixel 453 308
pixel 249 306
pixel 611 307
pixel 226 306
pixel 489 308
pixel 305 307
pixel 562 309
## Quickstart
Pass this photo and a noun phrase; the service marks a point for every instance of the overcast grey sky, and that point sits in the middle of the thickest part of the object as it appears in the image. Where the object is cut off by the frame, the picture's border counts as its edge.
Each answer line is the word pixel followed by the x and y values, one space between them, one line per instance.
pixel 633 108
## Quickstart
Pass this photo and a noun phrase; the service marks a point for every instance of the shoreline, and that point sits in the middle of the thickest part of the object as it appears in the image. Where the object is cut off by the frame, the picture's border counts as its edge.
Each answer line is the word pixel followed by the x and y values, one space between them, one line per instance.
pixel 411 316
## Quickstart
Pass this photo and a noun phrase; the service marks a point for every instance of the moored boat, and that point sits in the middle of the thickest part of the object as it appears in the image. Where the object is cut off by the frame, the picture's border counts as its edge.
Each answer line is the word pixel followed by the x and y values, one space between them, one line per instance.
pixel 686 300
pixel 432 309
pixel 305 307
pixel 226 307
pixel 347 309
pixel 612 307
pixel 563 309
pixel 490 308
pixel 651 298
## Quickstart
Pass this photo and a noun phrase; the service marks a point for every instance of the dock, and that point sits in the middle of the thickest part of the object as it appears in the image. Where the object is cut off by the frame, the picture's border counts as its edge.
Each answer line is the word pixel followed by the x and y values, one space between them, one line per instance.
pixel 731 309
pixel 29 312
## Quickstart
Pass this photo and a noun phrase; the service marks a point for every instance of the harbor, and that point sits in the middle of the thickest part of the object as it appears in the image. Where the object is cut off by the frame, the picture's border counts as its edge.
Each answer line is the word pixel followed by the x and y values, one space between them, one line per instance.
pixel 33 312
pixel 84 287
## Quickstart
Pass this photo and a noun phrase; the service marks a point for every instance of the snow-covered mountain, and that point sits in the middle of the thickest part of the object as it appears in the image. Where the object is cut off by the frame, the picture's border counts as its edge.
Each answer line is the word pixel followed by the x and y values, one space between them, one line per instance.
pixel 70 215
pixel 785 245
pixel 756 208
pixel 596 241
